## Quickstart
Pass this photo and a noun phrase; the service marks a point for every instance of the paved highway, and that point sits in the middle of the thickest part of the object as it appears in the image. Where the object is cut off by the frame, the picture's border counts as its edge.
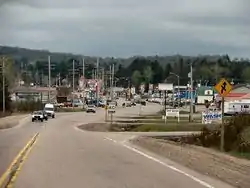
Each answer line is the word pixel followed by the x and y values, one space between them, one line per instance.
pixel 65 156
pixel 13 140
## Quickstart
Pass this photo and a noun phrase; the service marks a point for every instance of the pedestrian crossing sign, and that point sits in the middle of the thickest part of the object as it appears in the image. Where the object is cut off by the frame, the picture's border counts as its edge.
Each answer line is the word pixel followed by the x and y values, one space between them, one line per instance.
pixel 223 87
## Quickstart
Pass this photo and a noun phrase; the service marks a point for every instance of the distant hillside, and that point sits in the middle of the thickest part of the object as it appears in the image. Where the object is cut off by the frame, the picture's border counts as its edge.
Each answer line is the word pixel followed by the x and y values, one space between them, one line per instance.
pixel 31 55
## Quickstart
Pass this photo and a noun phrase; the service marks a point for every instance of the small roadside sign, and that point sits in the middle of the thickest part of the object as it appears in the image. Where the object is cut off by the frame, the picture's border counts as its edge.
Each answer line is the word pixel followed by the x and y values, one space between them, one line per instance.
pixel 223 87
pixel 111 111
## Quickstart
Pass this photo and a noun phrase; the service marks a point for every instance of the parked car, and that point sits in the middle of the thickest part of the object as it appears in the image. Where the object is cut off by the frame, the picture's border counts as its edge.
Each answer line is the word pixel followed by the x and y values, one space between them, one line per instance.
pixel 91 108
pixel 77 103
pixel 37 116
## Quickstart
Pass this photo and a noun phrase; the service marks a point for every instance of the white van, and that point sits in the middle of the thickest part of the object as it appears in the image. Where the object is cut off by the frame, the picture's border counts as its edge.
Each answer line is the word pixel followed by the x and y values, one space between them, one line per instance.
pixel 50 110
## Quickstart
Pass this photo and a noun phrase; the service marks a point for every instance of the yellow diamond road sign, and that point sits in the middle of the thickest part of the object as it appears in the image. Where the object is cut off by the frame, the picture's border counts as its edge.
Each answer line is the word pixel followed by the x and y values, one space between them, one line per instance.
pixel 223 87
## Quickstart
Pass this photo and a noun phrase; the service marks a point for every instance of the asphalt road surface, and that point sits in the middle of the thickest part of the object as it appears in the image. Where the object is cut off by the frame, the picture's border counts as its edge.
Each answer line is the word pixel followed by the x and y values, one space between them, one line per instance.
pixel 65 156
pixel 14 139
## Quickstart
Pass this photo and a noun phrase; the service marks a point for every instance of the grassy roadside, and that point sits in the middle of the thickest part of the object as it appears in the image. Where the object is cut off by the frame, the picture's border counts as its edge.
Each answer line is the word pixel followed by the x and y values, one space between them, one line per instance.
pixel 70 110
pixel 240 155
pixel 147 120
pixel 8 125
pixel 168 128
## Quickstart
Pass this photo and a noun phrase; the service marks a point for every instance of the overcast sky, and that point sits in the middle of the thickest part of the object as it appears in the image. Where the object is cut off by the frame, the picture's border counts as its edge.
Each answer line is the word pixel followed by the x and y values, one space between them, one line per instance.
pixel 124 28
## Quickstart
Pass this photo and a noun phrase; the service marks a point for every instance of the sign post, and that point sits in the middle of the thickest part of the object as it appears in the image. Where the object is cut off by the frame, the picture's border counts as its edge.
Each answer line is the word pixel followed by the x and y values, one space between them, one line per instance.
pixel 165 87
pixel 106 113
pixel 223 87
pixel 173 113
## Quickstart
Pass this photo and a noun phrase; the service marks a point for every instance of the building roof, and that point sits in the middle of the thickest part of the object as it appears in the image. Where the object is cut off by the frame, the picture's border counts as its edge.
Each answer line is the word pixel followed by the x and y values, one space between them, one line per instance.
pixel 247 96
pixel 240 85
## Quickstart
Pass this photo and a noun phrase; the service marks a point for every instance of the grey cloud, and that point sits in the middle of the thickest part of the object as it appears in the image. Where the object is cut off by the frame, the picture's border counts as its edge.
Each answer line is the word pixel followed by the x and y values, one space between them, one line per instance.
pixel 121 28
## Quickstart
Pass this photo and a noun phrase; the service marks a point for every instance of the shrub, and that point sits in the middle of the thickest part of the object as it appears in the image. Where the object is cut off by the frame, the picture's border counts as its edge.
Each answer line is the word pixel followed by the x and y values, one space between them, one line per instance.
pixel 70 109
pixel 234 140
pixel 27 106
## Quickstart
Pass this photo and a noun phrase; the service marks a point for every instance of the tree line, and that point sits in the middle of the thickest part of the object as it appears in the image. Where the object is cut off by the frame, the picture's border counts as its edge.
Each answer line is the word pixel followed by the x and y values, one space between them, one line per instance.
pixel 205 72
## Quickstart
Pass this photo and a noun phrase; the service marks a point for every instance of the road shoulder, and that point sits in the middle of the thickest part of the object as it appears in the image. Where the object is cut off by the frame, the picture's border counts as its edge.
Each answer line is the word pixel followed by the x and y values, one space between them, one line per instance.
pixel 13 121
pixel 229 169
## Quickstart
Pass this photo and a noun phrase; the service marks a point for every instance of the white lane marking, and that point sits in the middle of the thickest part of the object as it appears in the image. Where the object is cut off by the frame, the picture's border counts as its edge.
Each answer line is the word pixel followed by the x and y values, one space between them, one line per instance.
pixel 110 139
pixel 203 183
pixel 131 138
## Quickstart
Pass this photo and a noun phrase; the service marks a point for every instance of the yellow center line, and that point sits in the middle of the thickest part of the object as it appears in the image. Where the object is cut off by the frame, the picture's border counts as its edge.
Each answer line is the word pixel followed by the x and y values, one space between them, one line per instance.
pixel 10 174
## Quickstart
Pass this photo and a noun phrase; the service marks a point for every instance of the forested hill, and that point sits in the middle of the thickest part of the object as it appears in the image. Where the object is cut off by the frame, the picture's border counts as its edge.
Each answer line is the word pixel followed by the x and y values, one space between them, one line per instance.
pixel 31 66
pixel 31 55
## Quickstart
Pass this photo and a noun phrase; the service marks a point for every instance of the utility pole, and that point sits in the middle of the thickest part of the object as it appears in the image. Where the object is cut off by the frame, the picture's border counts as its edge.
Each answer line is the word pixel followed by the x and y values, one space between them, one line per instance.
pixel 21 77
pixel 73 84
pixel 97 68
pixel 42 77
pixel 191 92
pixel 49 77
pixel 103 78
pixel 83 75
pixel 216 72
pixel 112 90
pixel 93 73
pixel 97 78
pixel 178 82
pixel 165 105
pixel 3 74
pixel 110 78
pixel 59 79
pixel 113 74
pixel 179 94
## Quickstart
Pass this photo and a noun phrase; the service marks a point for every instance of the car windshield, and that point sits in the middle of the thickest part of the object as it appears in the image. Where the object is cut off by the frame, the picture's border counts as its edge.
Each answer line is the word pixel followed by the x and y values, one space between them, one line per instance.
pixel 38 113
pixel 91 106
pixel 49 109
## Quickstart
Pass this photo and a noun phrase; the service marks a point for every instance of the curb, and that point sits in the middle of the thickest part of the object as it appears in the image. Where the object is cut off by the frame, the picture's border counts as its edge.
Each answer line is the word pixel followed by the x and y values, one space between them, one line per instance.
pixel 20 123
pixel 10 174
pixel 23 121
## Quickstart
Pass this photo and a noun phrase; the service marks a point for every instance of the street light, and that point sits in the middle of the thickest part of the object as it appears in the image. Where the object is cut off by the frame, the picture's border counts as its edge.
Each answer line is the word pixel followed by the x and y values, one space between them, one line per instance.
pixel 178 77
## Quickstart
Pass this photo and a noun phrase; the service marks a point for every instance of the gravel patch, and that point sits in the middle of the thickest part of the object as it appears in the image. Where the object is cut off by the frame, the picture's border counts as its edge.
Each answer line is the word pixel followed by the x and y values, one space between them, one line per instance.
pixel 229 169
pixel 10 121
pixel 98 127
pixel 7 125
